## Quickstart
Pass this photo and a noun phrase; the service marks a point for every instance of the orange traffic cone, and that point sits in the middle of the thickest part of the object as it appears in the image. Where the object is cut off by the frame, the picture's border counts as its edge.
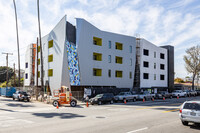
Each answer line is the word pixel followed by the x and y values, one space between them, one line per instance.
pixel 152 99
pixel 87 105
pixel 143 99
pixel 124 101
pixel 163 98
pixel 57 107
pixel 177 97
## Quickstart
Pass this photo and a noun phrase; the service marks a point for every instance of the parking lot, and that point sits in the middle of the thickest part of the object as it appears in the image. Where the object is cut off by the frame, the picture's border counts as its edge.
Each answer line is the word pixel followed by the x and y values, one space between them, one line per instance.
pixel 142 117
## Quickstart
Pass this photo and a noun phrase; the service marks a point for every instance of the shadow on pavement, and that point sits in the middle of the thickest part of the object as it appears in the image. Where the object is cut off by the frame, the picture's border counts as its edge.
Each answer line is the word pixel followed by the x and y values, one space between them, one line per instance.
pixel 61 115
pixel 7 110
pixel 18 105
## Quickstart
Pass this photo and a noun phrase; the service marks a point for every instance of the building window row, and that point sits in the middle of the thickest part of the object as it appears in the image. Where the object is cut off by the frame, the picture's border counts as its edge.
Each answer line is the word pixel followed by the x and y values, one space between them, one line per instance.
pixel 146 64
pixel 119 46
pixel 118 73
pixel 50 73
pixel 146 76
pixel 146 53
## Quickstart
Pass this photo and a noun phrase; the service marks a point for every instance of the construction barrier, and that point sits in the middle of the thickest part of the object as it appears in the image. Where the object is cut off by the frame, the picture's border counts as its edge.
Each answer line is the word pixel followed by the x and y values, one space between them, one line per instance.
pixel 8 91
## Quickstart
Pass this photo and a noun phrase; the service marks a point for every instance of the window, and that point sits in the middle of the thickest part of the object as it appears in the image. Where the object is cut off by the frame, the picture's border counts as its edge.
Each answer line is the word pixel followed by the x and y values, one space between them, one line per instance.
pixel 130 62
pixel 97 41
pixel 118 74
pixel 50 58
pixel 50 72
pixel 26 65
pixel 154 65
pixel 109 73
pixel 130 49
pixel 145 64
pixel 97 56
pixel 146 52
pixel 162 66
pixel 118 46
pixel 145 76
pixel 109 44
pixel 162 56
pixel 162 77
pixel 26 75
pixel 154 76
pixel 97 72
pixel 154 54
pixel 50 44
pixel 38 61
pixel 109 58
pixel 118 60
pixel 38 49
pixel 130 75
pixel 38 74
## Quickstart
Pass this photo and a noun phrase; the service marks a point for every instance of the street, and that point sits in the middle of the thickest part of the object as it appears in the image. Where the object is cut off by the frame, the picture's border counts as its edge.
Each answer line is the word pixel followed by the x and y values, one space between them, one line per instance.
pixel 143 117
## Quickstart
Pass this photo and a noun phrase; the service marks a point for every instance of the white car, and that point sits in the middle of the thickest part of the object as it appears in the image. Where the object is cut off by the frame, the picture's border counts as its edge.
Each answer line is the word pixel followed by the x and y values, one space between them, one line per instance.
pixel 179 93
pixel 190 112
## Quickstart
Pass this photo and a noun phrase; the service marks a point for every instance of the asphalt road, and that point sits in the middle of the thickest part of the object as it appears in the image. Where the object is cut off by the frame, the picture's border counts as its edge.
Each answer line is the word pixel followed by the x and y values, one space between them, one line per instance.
pixel 134 117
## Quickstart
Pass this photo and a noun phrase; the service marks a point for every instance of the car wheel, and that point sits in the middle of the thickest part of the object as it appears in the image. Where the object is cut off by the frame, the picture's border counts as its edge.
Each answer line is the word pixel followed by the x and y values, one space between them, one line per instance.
pixel 134 99
pixel 99 102
pixel 28 100
pixel 111 102
pixel 13 98
pixel 185 123
pixel 18 99
pixel 185 95
pixel 55 103
pixel 73 103
pixel 170 97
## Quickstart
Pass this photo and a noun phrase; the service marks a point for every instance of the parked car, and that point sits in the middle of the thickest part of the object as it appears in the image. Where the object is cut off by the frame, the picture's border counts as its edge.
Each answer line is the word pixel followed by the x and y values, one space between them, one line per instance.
pixel 190 112
pixel 190 93
pixel 102 98
pixel 179 93
pixel 21 96
pixel 198 92
pixel 122 96
pixel 164 94
pixel 145 95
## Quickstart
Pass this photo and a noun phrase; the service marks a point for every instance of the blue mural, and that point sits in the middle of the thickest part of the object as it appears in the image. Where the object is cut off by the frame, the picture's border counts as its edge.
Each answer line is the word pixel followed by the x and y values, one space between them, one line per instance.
pixel 73 64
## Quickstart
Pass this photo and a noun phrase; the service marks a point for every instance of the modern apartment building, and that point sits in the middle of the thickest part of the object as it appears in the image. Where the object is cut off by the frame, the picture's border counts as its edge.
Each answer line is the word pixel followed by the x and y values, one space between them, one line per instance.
pixel 30 58
pixel 85 56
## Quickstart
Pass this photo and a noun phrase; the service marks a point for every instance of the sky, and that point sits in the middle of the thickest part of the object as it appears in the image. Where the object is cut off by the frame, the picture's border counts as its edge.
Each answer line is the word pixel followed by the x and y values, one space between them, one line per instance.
pixel 162 22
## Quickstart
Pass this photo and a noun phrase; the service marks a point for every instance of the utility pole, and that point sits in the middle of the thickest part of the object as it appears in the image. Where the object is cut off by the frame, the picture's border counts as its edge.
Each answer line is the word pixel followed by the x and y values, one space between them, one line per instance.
pixel 17 43
pixel 37 73
pixel 7 66
pixel 41 57
pixel 14 75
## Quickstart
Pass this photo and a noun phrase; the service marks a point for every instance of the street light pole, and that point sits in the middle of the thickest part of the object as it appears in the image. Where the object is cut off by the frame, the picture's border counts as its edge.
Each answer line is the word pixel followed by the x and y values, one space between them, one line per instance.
pixel 17 42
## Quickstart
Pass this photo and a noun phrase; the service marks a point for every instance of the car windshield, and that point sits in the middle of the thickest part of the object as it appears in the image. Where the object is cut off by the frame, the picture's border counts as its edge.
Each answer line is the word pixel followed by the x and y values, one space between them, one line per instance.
pixel 176 91
pixel 121 93
pixel 99 95
pixel 193 106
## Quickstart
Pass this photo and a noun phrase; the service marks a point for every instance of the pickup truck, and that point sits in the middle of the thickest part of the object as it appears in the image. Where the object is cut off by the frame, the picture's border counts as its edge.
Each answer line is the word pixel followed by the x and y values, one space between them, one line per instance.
pixel 122 96
pixel 145 95
pixel 21 96
pixel 190 93
pixel 179 93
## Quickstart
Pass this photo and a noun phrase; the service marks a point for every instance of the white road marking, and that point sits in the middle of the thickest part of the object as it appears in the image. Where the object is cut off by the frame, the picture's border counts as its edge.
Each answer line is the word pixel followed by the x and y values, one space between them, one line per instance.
pixel 138 130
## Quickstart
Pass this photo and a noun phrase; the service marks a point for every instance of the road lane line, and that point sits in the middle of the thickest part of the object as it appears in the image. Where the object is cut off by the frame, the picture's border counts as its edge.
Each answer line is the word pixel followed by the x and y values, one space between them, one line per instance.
pixel 138 130
pixel 170 110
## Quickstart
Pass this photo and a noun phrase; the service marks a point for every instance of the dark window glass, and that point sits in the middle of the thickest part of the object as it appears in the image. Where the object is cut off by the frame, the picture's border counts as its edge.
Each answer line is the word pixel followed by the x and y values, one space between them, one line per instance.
pixel 26 75
pixel 26 64
pixel 162 77
pixel 145 76
pixel 109 73
pixel 162 66
pixel 192 106
pixel 162 56
pixel 145 64
pixel 145 52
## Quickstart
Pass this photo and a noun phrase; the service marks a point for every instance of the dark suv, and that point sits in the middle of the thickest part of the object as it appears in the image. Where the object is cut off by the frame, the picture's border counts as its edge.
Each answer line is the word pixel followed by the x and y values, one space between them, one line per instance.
pixel 102 98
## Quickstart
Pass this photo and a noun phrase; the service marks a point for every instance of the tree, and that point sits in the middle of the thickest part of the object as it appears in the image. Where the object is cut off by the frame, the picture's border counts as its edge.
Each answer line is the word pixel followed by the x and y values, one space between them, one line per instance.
pixel 179 80
pixel 3 73
pixel 192 61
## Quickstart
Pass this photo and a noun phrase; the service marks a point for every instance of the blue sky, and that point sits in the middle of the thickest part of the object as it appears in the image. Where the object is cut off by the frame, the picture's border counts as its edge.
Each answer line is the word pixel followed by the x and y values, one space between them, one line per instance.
pixel 162 22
